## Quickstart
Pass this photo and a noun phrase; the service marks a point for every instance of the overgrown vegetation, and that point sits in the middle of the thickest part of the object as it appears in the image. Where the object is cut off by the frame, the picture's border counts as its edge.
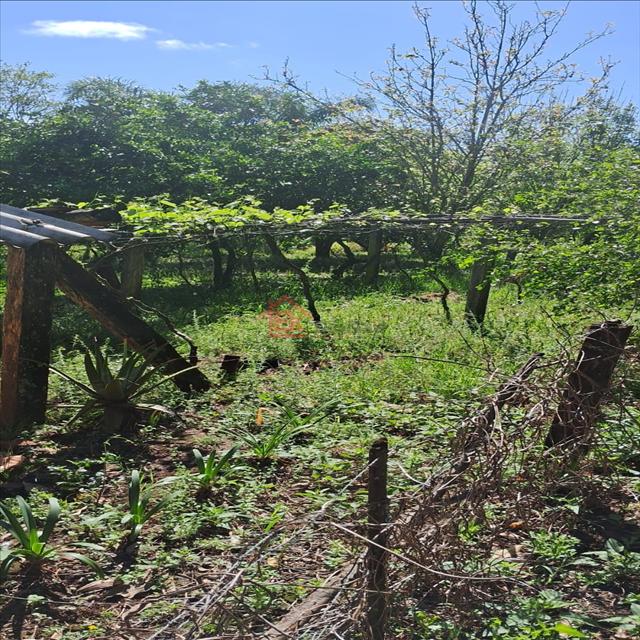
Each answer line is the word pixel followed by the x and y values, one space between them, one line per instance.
pixel 252 202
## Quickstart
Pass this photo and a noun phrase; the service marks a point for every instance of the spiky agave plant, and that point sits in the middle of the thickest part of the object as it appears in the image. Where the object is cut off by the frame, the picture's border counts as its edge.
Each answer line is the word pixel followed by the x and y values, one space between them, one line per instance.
pixel 32 543
pixel 116 392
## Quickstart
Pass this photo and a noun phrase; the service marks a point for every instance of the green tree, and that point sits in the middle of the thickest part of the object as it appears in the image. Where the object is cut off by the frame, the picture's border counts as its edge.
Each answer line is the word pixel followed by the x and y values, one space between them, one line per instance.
pixel 449 111
pixel 25 95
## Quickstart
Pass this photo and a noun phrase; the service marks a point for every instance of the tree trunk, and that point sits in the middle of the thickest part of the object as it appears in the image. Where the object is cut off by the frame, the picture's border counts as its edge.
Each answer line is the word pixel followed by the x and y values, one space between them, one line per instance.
pixel 322 258
pixel 232 263
pixel 218 269
pixel 290 266
pixel 351 261
pixel 435 243
pixel 249 251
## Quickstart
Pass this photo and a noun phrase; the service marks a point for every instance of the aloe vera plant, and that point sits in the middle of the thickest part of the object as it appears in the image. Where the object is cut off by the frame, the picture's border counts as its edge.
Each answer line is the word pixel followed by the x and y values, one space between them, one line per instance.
pixel 265 445
pixel 141 509
pixel 211 467
pixel 115 392
pixel 32 543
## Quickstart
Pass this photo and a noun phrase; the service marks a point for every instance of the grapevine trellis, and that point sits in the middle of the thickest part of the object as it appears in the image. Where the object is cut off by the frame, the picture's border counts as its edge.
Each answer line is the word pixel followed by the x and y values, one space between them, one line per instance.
pixel 372 231
pixel 37 263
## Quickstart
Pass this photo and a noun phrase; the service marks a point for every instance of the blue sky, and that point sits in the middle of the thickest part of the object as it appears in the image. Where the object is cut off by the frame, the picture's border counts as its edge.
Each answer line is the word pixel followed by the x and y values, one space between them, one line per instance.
pixel 166 44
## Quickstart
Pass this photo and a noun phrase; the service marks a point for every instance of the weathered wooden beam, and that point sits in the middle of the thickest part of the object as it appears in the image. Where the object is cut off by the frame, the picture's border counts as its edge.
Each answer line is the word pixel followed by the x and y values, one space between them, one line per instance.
pixel 478 293
pixel 106 307
pixel 26 339
pixel 313 604
pixel 587 383
pixel 132 270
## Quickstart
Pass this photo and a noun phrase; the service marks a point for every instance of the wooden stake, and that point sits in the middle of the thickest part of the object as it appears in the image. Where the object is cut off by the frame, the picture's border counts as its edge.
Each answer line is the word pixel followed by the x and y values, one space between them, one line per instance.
pixel 106 307
pixel 478 293
pixel 133 270
pixel 376 560
pixel 374 250
pixel 26 340
pixel 587 383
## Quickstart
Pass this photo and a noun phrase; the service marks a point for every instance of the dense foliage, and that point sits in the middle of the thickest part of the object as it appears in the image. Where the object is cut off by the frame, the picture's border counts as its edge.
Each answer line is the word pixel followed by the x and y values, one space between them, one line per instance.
pixel 230 155
pixel 216 141
pixel 239 200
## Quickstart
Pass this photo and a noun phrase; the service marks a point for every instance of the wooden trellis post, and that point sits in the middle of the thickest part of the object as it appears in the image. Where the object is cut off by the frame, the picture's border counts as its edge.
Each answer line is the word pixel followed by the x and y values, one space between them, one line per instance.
pixel 588 382
pixel 26 341
pixel 132 270
pixel 478 293
pixel 374 251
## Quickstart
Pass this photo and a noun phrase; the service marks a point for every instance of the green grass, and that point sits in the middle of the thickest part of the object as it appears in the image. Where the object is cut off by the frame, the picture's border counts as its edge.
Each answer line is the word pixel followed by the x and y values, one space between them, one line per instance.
pixel 388 362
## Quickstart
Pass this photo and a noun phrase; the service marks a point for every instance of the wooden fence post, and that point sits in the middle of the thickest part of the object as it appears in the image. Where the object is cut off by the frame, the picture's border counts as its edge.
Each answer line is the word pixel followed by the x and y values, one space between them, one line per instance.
pixel 26 340
pixel 374 251
pixel 376 560
pixel 133 270
pixel 478 293
pixel 587 383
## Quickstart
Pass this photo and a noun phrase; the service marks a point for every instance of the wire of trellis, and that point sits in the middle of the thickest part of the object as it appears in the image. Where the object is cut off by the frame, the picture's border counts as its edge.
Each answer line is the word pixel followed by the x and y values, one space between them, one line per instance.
pixel 351 224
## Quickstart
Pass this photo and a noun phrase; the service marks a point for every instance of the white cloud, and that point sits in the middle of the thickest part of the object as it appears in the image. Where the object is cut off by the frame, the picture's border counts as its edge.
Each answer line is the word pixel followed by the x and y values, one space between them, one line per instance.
pixel 180 45
pixel 89 29
pixel 254 45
